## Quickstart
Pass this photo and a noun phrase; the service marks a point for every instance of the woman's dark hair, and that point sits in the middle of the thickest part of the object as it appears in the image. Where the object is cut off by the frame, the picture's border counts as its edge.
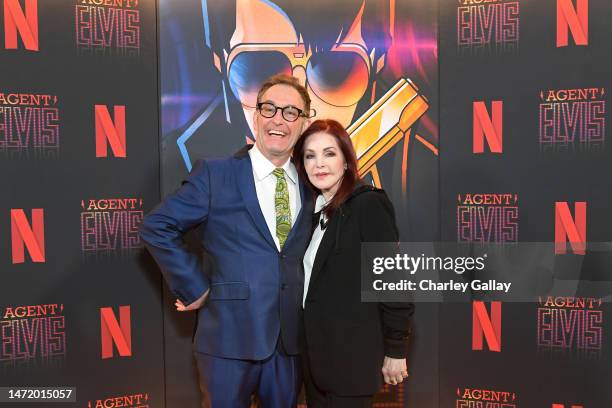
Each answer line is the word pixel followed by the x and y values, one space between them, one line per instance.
pixel 351 175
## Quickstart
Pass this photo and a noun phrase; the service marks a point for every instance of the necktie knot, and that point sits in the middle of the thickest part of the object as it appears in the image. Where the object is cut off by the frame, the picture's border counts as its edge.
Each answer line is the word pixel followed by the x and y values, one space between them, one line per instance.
pixel 279 172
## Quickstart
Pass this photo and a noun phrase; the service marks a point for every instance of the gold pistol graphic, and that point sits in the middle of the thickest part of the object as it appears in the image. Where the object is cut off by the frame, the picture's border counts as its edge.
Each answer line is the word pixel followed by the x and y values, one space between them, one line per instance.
pixel 385 124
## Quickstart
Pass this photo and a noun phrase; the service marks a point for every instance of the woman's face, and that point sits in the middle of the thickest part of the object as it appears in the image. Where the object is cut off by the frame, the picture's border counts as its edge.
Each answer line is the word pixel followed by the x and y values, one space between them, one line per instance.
pixel 324 163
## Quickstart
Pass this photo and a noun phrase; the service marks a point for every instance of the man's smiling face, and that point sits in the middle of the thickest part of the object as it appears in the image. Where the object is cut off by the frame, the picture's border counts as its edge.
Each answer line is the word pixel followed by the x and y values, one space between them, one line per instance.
pixel 275 136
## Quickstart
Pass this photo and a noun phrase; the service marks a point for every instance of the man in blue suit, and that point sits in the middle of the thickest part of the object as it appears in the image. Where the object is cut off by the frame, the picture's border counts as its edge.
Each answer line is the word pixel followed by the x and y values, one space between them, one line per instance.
pixel 255 216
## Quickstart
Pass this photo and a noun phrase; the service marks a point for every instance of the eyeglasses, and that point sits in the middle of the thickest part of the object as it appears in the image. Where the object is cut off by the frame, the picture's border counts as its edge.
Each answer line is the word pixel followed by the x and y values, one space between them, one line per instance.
pixel 339 77
pixel 290 113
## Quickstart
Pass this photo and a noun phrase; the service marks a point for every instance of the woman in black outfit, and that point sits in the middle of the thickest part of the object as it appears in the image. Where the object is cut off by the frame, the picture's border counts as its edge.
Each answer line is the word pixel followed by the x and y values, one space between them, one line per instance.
pixel 350 346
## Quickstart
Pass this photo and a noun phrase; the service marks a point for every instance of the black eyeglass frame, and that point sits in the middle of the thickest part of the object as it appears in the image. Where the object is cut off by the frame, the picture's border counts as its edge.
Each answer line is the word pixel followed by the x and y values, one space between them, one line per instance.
pixel 301 113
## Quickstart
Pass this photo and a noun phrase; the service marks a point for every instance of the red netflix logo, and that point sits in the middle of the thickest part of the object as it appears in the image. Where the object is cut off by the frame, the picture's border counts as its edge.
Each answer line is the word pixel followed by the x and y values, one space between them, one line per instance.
pixel 563 406
pixel 574 19
pixel 111 131
pixel 26 235
pixel 113 332
pixel 488 127
pixel 486 326
pixel 574 229
pixel 16 20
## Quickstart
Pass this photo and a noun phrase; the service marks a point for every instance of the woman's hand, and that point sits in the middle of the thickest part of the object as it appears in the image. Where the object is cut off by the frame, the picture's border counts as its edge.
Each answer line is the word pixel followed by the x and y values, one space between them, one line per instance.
pixel 394 370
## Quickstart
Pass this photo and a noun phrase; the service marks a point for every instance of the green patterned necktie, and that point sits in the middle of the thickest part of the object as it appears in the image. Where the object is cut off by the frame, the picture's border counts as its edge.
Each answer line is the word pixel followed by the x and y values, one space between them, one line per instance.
pixel 281 206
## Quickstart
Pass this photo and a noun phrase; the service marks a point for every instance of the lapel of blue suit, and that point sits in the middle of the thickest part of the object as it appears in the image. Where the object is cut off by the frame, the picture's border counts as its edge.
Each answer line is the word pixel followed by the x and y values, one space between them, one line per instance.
pixel 246 185
pixel 304 207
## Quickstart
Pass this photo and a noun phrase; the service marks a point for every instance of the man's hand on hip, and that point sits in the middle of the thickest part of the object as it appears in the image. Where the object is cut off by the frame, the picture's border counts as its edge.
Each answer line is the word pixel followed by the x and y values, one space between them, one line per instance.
pixel 193 306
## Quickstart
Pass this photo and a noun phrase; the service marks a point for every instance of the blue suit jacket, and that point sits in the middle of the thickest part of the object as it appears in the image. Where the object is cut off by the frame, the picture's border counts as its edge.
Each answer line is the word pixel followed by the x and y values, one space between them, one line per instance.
pixel 255 290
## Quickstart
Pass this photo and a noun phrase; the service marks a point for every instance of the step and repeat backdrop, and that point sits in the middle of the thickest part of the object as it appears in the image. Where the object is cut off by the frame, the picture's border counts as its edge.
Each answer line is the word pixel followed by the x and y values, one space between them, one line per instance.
pixel 494 131
pixel 524 159
pixel 79 300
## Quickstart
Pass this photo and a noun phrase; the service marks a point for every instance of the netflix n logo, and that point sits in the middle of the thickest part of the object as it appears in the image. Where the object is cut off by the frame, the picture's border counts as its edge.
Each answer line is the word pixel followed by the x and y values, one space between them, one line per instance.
pixel 572 19
pixel 110 131
pixel 26 234
pixel 487 326
pixel 21 22
pixel 571 228
pixel 117 333
pixel 488 126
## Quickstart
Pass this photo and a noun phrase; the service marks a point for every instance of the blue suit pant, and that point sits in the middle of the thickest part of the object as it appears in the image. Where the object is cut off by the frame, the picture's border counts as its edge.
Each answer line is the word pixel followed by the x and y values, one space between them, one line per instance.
pixel 230 383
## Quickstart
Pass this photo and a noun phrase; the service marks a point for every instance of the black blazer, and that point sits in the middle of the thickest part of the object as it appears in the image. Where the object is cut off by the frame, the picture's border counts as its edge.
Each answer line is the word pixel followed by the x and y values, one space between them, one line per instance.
pixel 346 340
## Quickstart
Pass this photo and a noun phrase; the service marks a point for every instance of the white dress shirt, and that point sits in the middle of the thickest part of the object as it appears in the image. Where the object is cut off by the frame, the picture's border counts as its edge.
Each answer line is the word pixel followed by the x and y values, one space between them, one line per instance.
pixel 313 247
pixel 265 185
